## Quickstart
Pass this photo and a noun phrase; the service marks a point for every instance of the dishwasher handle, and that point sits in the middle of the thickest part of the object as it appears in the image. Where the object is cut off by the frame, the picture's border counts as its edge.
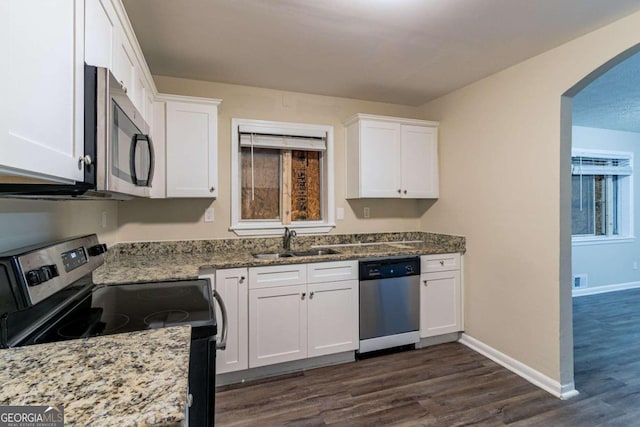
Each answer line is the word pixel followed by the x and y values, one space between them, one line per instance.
pixel 222 344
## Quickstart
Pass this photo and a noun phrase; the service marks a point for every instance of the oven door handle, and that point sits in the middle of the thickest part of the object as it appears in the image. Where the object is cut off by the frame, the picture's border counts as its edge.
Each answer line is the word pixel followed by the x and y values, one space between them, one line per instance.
pixel 222 344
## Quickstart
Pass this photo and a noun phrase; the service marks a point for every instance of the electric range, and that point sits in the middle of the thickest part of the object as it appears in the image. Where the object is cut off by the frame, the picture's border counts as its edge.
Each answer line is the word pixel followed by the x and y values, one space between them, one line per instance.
pixel 47 295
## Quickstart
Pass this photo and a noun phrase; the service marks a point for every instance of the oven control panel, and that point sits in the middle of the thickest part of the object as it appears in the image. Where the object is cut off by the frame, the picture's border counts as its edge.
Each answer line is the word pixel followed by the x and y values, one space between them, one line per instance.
pixel 49 268
pixel 74 259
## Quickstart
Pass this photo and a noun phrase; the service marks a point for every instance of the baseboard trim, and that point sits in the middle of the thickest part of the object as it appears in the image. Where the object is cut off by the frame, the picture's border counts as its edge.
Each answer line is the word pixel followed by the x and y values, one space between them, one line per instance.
pixel 606 288
pixel 562 391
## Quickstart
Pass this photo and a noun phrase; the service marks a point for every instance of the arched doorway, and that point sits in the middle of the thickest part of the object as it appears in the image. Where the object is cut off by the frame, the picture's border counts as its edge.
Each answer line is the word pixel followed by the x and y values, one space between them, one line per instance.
pixel 592 206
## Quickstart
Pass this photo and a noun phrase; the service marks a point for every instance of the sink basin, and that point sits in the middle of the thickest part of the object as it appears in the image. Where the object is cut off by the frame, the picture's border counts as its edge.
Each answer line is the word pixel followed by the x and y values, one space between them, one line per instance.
pixel 274 255
pixel 310 252
pixel 315 252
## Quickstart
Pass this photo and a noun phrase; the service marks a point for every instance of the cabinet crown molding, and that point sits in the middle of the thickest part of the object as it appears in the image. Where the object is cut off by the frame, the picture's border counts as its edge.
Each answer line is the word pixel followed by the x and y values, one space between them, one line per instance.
pixel 164 97
pixel 404 121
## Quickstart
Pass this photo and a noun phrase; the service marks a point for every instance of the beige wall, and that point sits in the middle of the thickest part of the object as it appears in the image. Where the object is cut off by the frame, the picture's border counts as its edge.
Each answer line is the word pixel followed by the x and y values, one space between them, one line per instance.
pixel 183 219
pixel 24 222
pixel 500 161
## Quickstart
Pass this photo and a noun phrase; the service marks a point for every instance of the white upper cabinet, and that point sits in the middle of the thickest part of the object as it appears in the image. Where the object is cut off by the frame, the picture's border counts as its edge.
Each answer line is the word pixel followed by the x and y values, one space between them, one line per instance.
pixel 191 146
pixel 419 163
pixel 110 43
pixel 389 157
pixel 42 87
pixel 102 26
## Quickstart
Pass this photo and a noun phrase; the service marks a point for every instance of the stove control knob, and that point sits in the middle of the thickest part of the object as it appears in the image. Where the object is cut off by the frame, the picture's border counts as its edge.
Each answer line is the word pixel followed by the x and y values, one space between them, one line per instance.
pixel 48 272
pixel 41 275
pixel 33 277
pixel 97 249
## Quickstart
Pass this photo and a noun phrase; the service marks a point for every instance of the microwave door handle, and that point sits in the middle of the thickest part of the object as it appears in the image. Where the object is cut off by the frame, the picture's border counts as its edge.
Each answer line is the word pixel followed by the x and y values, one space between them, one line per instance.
pixel 132 159
pixel 152 160
pixel 134 146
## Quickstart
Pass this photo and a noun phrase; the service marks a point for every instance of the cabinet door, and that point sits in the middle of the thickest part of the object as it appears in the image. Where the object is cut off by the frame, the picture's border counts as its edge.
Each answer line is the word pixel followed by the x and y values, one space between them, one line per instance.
pixel 101 26
pixel 124 68
pixel 191 149
pixel 158 139
pixel 379 159
pixel 332 317
pixel 231 284
pixel 277 325
pixel 419 162
pixel 440 303
pixel 42 88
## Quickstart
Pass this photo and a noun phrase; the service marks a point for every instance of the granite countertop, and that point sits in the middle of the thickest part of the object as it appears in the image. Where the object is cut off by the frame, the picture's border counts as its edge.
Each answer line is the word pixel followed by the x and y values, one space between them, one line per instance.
pixel 162 261
pixel 132 379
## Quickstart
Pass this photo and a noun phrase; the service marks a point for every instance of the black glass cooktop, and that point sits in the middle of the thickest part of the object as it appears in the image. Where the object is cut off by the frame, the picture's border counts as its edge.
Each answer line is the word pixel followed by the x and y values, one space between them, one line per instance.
pixel 133 307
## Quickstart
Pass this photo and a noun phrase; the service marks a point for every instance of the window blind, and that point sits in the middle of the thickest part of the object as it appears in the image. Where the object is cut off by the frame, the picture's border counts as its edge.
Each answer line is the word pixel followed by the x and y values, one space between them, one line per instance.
pixel 592 165
pixel 283 142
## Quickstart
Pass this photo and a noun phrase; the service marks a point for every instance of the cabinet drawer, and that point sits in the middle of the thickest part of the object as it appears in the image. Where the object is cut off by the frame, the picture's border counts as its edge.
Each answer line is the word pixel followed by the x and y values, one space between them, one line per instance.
pixel 332 271
pixel 277 275
pixel 440 262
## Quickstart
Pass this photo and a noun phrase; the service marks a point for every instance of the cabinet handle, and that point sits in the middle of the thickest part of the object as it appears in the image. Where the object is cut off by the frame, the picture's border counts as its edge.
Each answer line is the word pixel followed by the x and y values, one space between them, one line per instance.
pixel 425 282
pixel 311 295
pixel 241 279
pixel 441 263
pixel 405 191
pixel 304 294
pixel 124 88
pixel 189 400
pixel 212 189
pixel 86 160
pixel 399 191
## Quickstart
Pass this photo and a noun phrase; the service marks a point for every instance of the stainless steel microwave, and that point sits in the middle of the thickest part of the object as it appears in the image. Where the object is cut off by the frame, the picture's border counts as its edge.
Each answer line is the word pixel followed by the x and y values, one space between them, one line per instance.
pixel 124 155
pixel 118 152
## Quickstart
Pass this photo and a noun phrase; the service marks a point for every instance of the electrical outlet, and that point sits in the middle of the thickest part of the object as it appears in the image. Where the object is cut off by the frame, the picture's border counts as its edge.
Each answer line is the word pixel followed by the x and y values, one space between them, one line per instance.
pixel 340 213
pixel 104 219
pixel 367 213
pixel 208 215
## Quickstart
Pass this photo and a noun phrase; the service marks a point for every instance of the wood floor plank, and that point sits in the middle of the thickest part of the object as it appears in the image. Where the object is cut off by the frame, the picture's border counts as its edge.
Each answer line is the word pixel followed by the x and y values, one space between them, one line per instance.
pixel 451 385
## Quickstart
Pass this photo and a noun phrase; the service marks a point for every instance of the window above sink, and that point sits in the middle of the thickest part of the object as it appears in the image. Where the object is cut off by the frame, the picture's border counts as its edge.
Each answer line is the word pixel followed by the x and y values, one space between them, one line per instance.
pixel 281 176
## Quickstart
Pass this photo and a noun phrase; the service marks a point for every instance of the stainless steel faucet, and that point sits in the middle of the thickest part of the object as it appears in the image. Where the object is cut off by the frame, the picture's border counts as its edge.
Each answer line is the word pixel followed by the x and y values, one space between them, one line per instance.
pixel 288 235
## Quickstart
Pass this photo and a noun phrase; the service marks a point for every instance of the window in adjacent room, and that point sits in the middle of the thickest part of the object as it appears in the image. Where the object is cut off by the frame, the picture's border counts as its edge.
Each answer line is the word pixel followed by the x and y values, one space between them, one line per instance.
pixel 282 176
pixel 601 195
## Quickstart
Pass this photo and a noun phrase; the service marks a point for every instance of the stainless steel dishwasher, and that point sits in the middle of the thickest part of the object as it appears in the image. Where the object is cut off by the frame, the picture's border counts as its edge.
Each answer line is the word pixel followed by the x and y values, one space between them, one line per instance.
pixel 389 303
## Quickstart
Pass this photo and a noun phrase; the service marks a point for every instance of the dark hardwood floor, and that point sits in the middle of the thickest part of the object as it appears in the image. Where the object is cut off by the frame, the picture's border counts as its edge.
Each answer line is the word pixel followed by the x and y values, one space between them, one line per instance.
pixel 451 385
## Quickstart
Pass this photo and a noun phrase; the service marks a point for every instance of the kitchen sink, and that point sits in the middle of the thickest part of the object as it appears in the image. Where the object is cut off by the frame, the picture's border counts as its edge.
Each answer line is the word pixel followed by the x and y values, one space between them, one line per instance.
pixel 274 255
pixel 310 252
pixel 315 252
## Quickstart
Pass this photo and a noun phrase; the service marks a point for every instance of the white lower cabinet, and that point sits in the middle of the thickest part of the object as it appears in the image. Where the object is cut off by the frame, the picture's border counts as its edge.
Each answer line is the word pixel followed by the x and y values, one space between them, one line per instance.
pixel 277 325
pixel 332 320
pixel 440 295
pixel 231 284
pixel 301 319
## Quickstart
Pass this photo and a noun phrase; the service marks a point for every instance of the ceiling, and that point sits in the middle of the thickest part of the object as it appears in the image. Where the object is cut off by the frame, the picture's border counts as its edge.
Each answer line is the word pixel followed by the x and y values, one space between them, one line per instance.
pixel 612 101
pixel 399 51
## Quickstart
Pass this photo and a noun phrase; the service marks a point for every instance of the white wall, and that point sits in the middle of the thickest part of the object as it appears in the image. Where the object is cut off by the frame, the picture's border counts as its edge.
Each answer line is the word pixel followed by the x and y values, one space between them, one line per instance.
pixel 25 222
pixel 505 185
pixel 174 219
pixel 611 263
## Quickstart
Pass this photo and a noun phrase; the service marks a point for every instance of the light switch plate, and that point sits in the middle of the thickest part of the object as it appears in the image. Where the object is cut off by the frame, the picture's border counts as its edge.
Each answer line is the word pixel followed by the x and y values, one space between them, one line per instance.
pixel 208 215
pixel 340 213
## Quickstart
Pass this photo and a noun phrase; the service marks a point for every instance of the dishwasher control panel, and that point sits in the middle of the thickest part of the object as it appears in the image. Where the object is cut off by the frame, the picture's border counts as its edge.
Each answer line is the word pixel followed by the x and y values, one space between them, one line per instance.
pixel 387 268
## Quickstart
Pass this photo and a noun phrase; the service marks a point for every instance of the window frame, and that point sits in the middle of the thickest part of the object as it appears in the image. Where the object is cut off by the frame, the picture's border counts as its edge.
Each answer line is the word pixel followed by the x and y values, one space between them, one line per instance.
pixel 267 227
pixel 624 199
